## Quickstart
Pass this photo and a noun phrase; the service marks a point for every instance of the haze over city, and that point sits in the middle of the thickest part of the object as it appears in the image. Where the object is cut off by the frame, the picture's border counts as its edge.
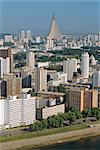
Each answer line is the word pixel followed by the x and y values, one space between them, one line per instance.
pixel 72 16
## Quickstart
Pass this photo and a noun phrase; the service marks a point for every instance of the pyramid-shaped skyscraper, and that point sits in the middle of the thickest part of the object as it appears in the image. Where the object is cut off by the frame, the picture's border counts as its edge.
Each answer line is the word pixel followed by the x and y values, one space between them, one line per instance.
pixel 54 32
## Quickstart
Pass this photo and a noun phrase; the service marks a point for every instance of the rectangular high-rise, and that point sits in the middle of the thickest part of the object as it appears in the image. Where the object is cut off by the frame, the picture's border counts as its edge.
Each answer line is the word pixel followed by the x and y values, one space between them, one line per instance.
pixel 30 60
pixel 40 79
pixel 83 98
pixel 11 86
pixel 69 67
pixel 6 53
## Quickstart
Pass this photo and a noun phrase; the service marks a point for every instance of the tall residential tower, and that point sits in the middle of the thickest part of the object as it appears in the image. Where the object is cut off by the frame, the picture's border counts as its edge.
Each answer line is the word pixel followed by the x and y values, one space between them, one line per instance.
pixel 85 65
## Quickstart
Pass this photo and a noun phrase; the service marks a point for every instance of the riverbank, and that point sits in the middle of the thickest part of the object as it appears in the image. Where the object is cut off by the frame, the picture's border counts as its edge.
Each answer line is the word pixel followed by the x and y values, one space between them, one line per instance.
pixel 31 143
pixel 61 141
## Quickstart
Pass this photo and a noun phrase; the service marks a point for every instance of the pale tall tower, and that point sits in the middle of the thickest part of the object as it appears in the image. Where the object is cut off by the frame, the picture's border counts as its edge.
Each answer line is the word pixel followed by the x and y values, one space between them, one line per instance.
pixel 54 32
pixel 69 67
pixel 96 78
pixel 85 65
pixel 40 79
pixel 50 43
pixel 22 35
pixel 30 60
pixel 38 39
pixel 28 34
pixel 92 60
pixel 4 66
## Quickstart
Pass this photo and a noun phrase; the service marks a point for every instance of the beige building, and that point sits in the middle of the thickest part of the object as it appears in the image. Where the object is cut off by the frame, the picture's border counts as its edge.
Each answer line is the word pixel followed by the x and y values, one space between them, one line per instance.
pixel 76 98
pixel 40 79
pixel 30 60
pixel 82 98
pixel 46 112
pixel 90 99
pixel 98 99
pixel 54 32
pixel 11 86
pixel 7 52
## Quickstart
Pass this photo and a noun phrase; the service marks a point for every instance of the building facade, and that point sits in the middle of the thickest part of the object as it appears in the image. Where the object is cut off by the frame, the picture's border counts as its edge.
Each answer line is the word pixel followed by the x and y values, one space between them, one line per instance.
pixel 83 99
pixel 85 65
pixel 15 112
pixel 69 67
pixel 40 79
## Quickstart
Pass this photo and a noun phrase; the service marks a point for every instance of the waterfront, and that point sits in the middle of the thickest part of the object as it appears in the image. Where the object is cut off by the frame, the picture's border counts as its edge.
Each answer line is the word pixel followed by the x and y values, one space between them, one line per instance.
pixel 92 143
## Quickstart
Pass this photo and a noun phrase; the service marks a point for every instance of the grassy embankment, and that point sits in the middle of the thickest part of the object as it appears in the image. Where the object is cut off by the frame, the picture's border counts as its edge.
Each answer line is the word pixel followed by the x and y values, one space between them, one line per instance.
pixel 42 133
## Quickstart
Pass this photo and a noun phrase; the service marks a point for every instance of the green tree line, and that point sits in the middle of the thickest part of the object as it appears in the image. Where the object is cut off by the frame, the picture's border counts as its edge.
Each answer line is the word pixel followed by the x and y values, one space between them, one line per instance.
pixel 58 121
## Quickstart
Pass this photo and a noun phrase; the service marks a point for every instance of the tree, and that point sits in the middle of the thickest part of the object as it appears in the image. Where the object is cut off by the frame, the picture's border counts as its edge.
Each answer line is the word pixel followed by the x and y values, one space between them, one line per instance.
pixel 50 122
pixel 94 112
pixel 98 116
pixel 31 92
pixel 71 116
pixel 44 124
pixel 86 113
pixel 39 125
pixel 77 112
pixel 61 88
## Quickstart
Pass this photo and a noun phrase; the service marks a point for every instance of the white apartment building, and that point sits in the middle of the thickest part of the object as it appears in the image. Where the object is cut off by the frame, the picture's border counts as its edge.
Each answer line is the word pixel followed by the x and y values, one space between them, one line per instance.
pixel 50 44
pixel 1 42
pixel 8 38
pixel 43 64
pixel 4 66
pixel 69 67
pixel 15 112
pixel 85 65
pixel 38 39
pixel 28 34
pixel 96 78
pixel 92 60
pixel 22 35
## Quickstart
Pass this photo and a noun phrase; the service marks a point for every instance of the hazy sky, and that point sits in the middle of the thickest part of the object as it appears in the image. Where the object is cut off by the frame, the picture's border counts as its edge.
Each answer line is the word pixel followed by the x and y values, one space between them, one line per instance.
pixel 75 16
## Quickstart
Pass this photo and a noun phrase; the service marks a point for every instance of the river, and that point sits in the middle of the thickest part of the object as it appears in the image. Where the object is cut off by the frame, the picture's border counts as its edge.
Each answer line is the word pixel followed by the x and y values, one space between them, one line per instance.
pixel 91 143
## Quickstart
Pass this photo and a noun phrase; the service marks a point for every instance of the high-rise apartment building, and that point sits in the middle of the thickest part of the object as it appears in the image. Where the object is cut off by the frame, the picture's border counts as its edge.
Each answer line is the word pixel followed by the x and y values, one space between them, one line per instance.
pixel 40 79
pixel 85 65
pixel 16 112
pixel 4 66
pixel 38 39
pixel 11 86
pixel 90 99
pixel 50 43
pixel 82 98
pixel 28 34
pixel 69 67
pixel 30 59
pixel 22 35
pixel 7 56
pixel 8 38
pixel 76 98
pixel 96 78
pixel 92 60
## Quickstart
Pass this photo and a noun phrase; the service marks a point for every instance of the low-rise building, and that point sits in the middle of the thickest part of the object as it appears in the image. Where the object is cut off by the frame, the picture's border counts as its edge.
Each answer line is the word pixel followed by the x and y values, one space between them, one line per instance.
pixel 46 112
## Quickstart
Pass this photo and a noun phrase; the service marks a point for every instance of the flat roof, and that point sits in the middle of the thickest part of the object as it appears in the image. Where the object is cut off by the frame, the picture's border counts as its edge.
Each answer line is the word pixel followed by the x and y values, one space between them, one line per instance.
pixel 51 93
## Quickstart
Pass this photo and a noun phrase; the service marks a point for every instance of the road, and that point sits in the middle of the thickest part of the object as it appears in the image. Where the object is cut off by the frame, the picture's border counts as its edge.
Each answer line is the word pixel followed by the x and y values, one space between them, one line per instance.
pixel 12 131
pixel 11 145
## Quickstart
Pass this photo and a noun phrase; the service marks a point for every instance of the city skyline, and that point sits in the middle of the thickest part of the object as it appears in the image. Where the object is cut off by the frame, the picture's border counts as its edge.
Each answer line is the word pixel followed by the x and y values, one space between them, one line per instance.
pixel 73 16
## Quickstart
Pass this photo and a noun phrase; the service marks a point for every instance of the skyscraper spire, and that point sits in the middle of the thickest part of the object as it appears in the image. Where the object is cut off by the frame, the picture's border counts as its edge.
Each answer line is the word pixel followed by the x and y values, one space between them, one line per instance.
pixel 54 32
